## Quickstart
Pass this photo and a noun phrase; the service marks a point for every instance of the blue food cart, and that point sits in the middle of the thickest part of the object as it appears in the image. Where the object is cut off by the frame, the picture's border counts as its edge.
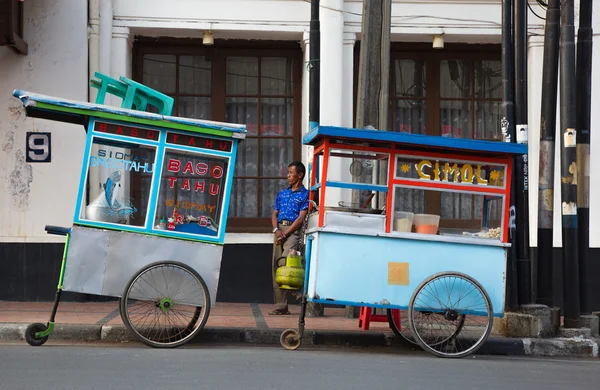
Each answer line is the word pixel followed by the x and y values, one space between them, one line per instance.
pixel 151 209
pixel 412 223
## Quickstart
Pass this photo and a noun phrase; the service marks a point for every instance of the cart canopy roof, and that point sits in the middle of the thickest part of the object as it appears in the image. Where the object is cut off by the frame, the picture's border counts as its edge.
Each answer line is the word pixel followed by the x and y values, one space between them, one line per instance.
pixel 77 112
pixel 378 138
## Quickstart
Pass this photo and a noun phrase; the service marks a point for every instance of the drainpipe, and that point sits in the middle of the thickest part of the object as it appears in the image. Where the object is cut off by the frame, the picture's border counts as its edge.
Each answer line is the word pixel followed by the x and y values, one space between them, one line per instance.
pixel 508 132
pixel 547 158
pixel 522 177
pixel 568 128
pixel 93 43
pixel 93 67
pixel 106 25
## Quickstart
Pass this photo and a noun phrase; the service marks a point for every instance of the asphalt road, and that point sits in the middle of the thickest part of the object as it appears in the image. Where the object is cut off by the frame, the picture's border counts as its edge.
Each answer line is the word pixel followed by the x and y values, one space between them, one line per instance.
pixel 217 367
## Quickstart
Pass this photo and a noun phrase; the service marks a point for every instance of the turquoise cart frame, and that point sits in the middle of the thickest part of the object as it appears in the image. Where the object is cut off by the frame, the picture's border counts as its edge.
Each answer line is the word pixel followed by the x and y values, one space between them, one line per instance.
pixel 356 257
pixel 94 261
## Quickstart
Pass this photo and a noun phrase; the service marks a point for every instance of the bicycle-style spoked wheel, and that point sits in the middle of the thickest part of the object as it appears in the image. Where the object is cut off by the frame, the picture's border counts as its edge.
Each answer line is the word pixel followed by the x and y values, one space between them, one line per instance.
pixel 165 305
pixel 401 328
pixel 450 315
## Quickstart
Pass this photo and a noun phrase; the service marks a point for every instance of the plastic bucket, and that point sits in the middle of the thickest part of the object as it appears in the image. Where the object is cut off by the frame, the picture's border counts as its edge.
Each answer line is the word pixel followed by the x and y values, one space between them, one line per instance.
pixel 426 223
pixel 403 221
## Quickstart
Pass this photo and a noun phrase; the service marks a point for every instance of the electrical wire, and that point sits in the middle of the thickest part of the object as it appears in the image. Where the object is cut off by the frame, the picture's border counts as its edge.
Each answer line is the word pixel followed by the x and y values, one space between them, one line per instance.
pixel 408 17
pixel 542 3
pixel 335 9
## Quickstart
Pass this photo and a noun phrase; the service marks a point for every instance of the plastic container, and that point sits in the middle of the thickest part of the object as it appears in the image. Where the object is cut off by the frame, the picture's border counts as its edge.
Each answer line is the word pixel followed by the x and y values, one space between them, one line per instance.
pixel 426 223
pixel 403 221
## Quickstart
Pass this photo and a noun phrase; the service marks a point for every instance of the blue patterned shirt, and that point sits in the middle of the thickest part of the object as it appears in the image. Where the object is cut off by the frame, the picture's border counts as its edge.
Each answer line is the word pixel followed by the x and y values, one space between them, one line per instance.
pixel 289 203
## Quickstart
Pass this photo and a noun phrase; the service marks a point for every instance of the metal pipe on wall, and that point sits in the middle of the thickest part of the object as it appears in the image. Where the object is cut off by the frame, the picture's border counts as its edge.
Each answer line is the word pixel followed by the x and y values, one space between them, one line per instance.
pixel 508 132
pixel 522 175
pixel 93 43
pixel 546 165
pixel 106 25
pixel 568 124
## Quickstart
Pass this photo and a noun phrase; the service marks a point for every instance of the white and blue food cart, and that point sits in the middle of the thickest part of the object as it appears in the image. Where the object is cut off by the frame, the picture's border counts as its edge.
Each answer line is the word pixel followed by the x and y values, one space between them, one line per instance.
pixel 151 210
pixel 413 223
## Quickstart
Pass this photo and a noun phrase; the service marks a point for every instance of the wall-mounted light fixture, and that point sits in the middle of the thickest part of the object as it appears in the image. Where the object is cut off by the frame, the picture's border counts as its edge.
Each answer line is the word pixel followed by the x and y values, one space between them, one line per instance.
pixel 208 38
pixel 438 41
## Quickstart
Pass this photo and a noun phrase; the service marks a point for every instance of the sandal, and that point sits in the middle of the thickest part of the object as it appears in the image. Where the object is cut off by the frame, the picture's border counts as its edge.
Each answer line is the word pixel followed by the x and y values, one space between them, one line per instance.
pixel 279 312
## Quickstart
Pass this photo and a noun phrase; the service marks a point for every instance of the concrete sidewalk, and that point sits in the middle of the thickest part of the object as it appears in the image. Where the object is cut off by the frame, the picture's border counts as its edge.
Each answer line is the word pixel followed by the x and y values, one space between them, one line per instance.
pixel 251 323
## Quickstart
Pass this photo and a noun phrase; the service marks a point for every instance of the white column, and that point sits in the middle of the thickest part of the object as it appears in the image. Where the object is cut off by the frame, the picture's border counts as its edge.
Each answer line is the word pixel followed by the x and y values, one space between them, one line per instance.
pixel 535 59
pixel 332 84
pixel 348 80
pixel 306 150
pixel 120 64
pixel 347 104
pixel 332 44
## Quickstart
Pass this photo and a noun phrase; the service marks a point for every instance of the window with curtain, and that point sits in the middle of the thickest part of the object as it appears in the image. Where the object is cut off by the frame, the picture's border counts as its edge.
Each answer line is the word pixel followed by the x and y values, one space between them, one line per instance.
pixel 452 94
pixel 258 87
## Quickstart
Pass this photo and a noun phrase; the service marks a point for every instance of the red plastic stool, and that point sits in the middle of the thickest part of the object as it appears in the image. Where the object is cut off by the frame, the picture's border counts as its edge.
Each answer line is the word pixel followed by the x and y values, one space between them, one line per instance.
pixel 366 317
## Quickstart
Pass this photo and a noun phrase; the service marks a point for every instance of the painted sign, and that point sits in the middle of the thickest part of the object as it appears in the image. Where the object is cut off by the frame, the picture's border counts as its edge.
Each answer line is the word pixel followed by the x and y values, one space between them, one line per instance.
pixel 448 171
pixel 199 142
pixel 126 131
pixel 38 148
pixel 201 170
pixel 191 192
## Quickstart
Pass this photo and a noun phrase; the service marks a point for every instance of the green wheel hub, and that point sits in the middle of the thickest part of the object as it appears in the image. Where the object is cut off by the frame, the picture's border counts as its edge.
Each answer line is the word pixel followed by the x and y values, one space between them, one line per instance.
pixel 165 304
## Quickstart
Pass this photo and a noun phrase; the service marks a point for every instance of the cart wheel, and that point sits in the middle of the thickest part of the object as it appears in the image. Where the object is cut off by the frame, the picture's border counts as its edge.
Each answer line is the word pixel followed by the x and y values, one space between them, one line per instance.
pixel 450 315
pixel 165 304
pixel 290 339
pixel 30 334
pixel 402 329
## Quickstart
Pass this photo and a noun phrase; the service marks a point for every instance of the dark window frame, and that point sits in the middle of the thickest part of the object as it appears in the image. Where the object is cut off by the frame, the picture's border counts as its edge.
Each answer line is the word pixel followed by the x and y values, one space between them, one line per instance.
pixel 433 59
pixel 218 54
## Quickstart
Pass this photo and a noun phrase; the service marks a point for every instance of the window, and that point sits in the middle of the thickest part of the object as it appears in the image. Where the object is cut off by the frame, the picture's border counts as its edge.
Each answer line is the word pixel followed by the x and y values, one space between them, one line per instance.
pixel 191 193
pixel 454 93
pixel 124 171
pixel 258 86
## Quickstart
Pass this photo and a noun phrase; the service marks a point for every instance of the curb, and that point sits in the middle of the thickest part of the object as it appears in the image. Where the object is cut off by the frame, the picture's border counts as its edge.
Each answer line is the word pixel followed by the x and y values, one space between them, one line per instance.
pixel 572 347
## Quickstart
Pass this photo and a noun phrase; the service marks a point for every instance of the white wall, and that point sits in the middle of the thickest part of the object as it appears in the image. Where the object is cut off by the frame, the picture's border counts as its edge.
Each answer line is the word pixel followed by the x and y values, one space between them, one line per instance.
pixel 33 195
pixel 57 65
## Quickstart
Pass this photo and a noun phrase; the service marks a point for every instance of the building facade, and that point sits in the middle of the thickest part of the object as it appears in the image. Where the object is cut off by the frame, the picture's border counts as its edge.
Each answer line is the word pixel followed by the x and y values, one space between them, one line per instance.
pixel 255 72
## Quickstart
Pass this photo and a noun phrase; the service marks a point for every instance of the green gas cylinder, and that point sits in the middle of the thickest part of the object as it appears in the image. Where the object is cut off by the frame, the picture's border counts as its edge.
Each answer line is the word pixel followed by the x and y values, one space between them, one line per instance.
pixel 291 275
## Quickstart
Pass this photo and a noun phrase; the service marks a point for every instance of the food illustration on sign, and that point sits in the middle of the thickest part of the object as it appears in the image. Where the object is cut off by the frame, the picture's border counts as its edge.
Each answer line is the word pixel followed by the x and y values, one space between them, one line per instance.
pixel 106 206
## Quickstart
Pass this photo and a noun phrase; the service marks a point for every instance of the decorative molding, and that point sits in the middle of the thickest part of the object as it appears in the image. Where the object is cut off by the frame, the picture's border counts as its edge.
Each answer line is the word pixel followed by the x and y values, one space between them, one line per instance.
pixel 349 38
pixel 121 32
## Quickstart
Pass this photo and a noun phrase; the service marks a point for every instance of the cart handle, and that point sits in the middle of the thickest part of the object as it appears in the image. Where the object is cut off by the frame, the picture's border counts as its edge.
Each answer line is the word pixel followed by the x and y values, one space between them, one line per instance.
pixel 57 230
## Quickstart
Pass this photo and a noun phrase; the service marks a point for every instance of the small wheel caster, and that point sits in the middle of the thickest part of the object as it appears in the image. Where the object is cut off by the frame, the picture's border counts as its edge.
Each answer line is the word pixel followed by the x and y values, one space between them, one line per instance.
pixel 30 334
pixel 290 339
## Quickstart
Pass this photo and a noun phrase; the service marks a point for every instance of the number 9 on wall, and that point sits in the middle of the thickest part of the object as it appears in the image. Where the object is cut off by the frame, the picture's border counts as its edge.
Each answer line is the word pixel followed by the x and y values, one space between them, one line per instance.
pixel 38 147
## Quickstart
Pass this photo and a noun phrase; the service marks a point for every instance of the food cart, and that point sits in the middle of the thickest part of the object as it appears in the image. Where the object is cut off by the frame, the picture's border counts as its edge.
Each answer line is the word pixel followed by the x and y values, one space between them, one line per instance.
pixel 151 209
pixel 409 222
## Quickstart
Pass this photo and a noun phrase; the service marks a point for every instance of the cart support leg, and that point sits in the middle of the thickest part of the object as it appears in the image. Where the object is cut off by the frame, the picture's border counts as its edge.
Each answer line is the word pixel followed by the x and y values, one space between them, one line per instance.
pixel 302 316
pixel 50 325
pixel 307 254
